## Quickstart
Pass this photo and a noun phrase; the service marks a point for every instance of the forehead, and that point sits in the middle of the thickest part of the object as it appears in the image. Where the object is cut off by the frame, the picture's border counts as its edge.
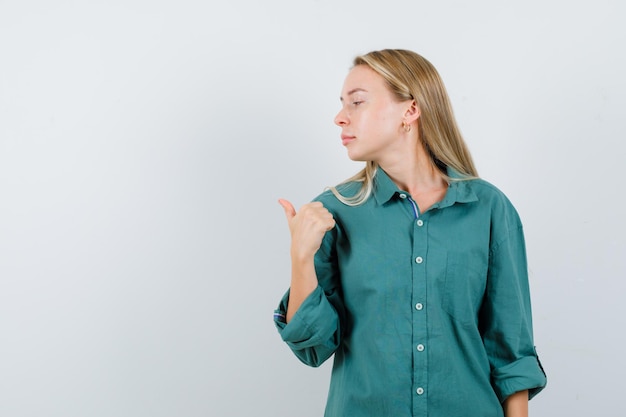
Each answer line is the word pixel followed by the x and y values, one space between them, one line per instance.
pixel 362 77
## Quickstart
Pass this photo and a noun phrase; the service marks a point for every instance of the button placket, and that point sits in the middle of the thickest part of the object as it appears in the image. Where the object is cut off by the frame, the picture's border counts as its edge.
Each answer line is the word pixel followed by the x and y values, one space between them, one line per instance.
pixel 420 330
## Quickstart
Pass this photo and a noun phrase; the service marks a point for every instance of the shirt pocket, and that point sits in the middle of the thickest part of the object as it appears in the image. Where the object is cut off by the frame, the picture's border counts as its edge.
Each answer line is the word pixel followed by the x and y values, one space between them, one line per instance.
pixel 464 288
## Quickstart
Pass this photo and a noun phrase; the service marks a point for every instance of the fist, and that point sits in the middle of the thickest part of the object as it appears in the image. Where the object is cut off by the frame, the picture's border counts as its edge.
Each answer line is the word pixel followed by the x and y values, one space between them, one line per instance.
pixel 307 227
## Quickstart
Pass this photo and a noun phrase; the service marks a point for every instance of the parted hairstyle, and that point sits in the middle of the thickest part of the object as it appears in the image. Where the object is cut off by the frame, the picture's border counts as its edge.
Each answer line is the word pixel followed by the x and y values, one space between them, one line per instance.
pixel 410 76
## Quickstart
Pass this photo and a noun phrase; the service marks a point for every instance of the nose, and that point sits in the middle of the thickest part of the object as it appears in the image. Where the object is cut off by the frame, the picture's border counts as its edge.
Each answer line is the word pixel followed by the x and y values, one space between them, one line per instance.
pixel 341 119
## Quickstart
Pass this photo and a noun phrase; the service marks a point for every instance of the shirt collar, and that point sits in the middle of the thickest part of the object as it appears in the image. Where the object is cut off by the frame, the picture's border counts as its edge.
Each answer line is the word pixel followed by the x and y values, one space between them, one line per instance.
pixel 459 191
pixel 384 188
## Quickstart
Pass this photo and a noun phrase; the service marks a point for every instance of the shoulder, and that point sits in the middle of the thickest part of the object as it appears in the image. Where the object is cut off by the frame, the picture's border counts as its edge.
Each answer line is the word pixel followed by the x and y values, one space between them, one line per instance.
pixel 494 199
pixel 486 190
pixel 330 200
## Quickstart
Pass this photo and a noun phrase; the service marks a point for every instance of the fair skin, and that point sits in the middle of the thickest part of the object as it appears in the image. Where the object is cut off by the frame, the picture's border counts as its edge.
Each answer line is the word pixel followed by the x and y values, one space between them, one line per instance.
pixel 373 128
pixel 516 405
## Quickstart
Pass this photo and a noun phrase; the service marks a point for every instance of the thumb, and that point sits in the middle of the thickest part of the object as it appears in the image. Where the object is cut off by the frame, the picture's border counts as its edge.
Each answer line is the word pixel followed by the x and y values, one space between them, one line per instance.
pixel 290 211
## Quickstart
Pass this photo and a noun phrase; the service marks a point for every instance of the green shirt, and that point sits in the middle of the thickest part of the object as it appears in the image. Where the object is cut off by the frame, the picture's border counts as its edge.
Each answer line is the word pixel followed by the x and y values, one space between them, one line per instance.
pixel 427 314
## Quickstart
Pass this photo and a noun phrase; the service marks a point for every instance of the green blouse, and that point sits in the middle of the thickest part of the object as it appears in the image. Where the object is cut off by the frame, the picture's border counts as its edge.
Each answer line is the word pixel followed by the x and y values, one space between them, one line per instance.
pixel 427 314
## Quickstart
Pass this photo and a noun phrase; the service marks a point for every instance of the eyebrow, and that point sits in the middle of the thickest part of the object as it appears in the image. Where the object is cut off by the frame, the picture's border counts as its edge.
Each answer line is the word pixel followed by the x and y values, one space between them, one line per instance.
pixel 354 90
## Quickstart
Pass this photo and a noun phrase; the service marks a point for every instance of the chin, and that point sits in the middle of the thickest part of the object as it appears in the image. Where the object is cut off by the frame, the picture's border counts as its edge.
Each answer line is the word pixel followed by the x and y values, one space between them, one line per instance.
pixel 355 156
pixel 358 158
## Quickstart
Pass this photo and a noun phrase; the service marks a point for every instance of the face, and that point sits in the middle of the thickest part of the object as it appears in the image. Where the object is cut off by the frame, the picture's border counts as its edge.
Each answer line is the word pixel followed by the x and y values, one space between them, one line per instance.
pixel 370 117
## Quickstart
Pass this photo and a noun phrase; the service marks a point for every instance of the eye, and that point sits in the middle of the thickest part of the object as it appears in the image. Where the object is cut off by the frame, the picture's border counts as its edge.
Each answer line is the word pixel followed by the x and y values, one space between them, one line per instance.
pixel 356 103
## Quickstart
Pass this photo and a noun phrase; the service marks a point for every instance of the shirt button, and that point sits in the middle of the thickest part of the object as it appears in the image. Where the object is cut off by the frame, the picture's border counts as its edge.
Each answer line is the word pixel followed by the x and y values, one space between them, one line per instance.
pixel 419 391
pixel 419 306
pixel 420 348
pixel 419 260
pixel 420 223
pixel 403 196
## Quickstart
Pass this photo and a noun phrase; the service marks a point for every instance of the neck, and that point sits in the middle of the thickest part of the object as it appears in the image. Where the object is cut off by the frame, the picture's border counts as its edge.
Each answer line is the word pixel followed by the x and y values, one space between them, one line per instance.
pixel 414 172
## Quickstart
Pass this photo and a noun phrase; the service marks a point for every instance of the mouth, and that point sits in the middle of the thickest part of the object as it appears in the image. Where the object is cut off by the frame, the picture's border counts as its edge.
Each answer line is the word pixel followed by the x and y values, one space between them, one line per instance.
pixel 346 139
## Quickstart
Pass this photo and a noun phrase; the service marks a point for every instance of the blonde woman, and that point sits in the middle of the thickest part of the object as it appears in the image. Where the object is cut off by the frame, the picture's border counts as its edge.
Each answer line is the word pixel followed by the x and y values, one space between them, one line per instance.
pixel 413 272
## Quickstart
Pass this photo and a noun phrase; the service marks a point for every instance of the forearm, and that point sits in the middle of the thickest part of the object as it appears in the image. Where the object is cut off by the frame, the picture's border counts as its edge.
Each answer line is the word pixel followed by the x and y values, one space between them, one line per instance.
pixel 308 229
pixel 516 405
pixel 303 283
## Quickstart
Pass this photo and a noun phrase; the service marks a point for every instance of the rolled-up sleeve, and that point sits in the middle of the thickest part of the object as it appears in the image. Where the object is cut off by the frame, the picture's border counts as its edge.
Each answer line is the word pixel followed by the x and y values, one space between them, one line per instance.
pixel 506 320
pixel 313 332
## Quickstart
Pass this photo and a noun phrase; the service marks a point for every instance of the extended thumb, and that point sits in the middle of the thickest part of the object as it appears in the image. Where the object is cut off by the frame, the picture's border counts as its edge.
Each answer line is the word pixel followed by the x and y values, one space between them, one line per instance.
pixel 290 211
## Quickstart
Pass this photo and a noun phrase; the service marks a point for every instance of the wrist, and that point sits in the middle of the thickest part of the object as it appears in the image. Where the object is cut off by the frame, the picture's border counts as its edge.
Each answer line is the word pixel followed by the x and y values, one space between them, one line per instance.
pixel 301 257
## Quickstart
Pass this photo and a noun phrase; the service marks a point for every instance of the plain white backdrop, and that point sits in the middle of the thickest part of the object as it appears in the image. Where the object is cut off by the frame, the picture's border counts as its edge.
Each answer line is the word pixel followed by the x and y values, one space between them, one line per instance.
pixel 143 146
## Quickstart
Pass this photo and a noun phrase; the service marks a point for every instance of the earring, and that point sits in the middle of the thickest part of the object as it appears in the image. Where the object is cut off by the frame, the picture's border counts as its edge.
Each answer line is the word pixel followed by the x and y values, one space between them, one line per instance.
pixel 406 127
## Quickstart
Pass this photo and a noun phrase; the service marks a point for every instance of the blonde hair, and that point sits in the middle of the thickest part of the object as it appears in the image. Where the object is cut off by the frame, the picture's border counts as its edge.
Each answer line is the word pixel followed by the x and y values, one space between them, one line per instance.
pixel 410 76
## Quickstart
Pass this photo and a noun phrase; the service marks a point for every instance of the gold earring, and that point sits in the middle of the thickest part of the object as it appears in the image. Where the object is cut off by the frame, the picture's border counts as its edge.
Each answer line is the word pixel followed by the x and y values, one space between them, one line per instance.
pixel 406 127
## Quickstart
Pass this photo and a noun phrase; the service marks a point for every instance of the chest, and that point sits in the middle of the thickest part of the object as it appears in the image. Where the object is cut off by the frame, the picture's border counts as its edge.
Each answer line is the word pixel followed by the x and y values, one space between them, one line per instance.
pixel 391 257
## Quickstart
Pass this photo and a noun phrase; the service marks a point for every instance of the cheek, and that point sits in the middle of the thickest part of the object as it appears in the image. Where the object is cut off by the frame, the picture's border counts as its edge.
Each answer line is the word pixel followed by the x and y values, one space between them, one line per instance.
pixel 376 119
pixel 387 115
pixel 386 123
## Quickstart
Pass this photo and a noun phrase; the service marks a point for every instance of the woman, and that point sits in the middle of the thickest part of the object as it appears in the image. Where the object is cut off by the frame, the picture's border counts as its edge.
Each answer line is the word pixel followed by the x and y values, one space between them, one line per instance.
pixel 413 272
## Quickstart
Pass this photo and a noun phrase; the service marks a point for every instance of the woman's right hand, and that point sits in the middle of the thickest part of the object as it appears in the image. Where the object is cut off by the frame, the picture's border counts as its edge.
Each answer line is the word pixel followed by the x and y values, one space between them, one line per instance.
pixel 307 227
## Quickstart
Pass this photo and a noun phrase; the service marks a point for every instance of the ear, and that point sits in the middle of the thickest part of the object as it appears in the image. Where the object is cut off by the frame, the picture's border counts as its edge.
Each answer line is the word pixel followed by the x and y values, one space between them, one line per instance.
pixel 412 112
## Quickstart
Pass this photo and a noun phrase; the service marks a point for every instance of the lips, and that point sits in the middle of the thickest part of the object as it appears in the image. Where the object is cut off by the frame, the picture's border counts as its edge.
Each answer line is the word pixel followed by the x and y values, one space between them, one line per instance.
pixel 346 139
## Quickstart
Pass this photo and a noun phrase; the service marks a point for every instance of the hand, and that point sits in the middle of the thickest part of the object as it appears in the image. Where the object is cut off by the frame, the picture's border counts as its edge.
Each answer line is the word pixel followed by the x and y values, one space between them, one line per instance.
pixel 307 227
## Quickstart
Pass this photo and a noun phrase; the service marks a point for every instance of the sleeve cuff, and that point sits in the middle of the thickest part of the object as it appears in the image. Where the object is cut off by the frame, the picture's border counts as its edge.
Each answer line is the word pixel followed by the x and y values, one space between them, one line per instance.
pixel 315 321
pixel 524 374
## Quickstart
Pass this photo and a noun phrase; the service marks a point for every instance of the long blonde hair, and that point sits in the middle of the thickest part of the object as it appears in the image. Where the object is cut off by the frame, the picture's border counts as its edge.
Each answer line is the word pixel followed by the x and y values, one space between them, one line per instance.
pixel 410 76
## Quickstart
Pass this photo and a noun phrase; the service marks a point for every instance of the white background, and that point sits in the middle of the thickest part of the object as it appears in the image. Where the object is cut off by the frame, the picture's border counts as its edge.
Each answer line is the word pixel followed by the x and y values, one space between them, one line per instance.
pixel 143 146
